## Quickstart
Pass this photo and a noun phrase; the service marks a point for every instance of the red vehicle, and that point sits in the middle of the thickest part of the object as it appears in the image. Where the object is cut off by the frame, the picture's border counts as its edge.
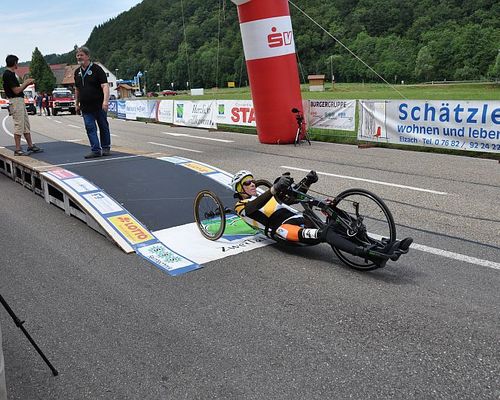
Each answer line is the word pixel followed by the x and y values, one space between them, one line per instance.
pixel 63 100
pixel 168 93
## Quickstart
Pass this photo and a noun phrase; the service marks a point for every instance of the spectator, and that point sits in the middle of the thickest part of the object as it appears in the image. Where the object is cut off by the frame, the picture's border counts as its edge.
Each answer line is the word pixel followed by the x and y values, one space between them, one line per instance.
pixel 46 100
pixel 14 92
pixel 39 102
pixel 92 96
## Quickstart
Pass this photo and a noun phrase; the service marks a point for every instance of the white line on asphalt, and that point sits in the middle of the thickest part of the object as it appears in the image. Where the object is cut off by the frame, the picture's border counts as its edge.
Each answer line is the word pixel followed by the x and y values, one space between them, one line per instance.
pixel 73 140
pixel 456 256
pixel 74 126
pixel 113 135
pixel 99 159
pixel 198 137
pixel 175 147
pixel 370 181
pixel 7 131
pixel 58 122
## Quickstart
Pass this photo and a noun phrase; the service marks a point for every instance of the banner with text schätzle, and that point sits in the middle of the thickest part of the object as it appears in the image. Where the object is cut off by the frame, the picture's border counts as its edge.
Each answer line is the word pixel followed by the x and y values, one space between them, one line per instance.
pixel 451 124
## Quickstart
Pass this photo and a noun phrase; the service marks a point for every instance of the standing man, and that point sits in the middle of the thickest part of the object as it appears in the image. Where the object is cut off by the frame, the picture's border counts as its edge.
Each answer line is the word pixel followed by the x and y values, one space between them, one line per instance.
pixel 39 102
pixel 92 96
pixel 14 92
pixel 46 101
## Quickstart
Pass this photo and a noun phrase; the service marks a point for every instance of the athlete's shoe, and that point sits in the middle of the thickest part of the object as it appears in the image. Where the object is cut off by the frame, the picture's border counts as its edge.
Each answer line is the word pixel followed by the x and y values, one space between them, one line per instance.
pixel 392 251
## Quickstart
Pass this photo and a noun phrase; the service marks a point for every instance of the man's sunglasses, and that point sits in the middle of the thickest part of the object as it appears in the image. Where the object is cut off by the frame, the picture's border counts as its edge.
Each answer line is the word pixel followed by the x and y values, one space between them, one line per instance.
pixel 248 183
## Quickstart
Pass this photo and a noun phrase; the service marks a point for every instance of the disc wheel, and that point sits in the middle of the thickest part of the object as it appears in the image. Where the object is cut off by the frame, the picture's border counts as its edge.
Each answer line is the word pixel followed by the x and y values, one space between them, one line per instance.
pixel 209 215
pixel 372 224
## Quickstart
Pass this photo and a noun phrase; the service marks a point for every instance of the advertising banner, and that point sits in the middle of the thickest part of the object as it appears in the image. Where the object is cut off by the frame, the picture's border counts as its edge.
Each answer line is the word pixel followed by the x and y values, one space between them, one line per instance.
pixel 131 109
pixel 113 108
pixel 187 240
pixel 145 109
pixel 122 110
pixel 332 114
pixel 235 112
pixel 198 114
pixel 165 111
pixel 141 109
pixel 452 124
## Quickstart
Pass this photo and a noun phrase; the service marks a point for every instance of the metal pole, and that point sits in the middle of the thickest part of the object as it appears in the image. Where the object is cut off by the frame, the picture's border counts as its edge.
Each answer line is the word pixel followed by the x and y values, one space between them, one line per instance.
pixel 19 324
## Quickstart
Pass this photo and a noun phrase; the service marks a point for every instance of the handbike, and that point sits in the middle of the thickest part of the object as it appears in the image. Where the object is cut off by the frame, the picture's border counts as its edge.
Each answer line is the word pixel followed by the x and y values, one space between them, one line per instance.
pixel 358 215
pixel 301 133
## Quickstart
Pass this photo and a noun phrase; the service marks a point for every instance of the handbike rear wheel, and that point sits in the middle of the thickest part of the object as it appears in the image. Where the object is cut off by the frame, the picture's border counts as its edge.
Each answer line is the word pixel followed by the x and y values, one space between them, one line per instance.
pixel 209 215
pixel 377 225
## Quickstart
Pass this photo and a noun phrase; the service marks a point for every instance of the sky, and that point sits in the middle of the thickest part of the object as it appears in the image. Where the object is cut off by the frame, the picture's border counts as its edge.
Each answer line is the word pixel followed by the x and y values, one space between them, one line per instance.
pixel 54 26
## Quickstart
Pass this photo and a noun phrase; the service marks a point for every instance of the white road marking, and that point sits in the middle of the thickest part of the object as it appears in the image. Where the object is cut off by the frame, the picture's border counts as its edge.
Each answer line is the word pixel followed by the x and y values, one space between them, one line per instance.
pixel 7 131
pixel 449 254
pixel 73 140
pixel 175 147
pixel 98 159
pixel 456 256
pixel 370 181
pixel 114 135
pixel 198 137
pixel 74 126
pixel 58 122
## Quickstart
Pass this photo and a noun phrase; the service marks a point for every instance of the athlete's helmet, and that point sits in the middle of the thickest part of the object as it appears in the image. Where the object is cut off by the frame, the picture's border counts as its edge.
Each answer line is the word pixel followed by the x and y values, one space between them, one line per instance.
pixel 238 178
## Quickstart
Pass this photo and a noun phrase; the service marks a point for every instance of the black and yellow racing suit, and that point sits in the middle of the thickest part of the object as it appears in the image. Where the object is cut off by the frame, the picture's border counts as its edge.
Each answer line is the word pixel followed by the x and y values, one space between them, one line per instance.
pixel 277 221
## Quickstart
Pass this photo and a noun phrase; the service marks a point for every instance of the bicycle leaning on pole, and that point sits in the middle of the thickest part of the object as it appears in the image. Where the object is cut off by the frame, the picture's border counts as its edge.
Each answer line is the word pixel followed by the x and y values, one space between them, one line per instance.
pixel 301 133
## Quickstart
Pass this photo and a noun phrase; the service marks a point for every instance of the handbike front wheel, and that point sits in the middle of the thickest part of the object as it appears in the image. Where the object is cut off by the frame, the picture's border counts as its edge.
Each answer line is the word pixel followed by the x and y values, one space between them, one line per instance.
pixel 209 215
pixel 372 222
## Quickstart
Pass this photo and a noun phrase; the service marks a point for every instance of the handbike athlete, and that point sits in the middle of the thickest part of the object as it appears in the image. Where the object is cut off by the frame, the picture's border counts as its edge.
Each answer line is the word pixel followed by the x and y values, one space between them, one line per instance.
pixel 283 223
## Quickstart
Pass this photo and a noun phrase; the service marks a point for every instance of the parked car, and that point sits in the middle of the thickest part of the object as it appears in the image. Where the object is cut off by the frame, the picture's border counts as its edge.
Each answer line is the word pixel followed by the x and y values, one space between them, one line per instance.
pixel 138 93
pixel 152 94
pixel 63 100
pixel 168 93
pixel 4 104
pixel 30 106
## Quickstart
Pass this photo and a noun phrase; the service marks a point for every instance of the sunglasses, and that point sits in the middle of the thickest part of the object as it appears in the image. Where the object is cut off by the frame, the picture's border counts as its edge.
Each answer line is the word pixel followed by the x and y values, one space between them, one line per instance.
pixel 248 183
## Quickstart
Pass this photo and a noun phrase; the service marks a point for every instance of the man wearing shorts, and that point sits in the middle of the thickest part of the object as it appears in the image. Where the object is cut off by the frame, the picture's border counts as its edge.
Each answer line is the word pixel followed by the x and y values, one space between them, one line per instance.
pixel 14 92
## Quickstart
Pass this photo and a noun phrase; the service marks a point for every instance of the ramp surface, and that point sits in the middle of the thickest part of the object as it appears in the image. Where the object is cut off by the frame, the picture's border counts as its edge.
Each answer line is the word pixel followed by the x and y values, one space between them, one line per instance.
pixel 160 194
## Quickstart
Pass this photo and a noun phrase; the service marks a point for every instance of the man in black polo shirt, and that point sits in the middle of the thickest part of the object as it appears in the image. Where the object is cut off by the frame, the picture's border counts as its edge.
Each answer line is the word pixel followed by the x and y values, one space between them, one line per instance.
pixel 14 92
pixel 92 95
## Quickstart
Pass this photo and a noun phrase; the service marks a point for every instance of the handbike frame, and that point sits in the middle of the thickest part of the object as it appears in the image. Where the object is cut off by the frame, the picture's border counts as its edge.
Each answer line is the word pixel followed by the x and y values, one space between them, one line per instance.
pixel 348 223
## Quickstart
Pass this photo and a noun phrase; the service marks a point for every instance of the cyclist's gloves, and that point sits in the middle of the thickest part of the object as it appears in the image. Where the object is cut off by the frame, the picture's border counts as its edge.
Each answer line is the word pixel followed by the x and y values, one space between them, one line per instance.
pixel 311 177
pixel 282 183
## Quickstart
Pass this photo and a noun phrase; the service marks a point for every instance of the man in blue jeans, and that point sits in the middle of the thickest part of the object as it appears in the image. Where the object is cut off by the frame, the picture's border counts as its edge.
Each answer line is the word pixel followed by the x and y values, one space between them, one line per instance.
pixel 92 96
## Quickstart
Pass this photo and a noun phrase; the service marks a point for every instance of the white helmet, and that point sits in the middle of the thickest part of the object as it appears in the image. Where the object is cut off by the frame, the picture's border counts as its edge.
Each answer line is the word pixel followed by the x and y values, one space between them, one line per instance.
pixel 238 178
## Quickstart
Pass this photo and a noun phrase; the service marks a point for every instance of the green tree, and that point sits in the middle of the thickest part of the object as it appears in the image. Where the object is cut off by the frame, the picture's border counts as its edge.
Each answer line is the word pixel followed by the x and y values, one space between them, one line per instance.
pixel 45 80
pixel 424 64
pixel 411 40
pixel 494 70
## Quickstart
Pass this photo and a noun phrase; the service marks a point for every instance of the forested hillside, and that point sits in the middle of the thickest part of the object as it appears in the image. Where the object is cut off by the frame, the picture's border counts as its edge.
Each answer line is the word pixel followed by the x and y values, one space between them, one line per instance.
pixel 414 41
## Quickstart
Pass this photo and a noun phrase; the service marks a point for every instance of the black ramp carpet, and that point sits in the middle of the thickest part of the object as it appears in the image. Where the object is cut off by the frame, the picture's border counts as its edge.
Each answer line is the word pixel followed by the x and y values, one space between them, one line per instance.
pixel 158 193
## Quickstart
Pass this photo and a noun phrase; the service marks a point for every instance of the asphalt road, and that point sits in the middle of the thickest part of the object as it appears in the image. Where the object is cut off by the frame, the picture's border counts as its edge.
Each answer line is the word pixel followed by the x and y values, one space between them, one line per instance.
pixel 273 323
